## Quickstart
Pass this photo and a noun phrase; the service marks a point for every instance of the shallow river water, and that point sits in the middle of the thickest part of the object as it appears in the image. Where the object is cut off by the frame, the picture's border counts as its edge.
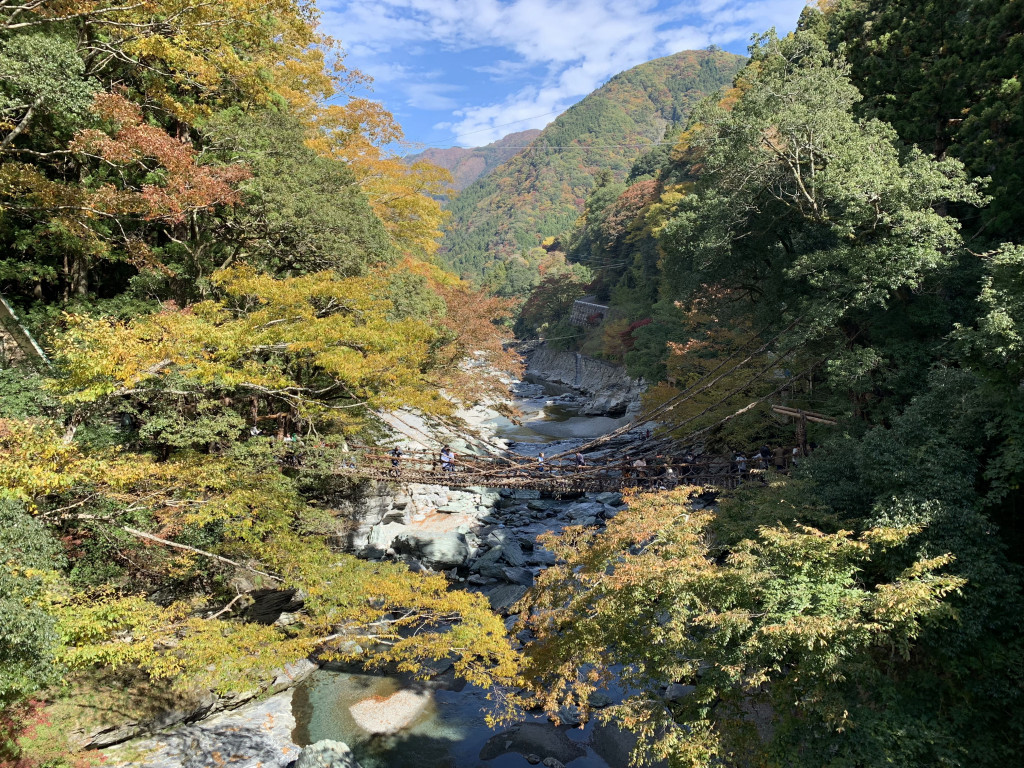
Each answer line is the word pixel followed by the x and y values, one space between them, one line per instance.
pixel 450 731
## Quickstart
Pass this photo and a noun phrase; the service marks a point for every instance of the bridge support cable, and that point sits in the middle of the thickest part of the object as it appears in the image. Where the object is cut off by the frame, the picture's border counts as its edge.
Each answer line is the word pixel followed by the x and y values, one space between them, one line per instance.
pixel 699 387
pixel 696 388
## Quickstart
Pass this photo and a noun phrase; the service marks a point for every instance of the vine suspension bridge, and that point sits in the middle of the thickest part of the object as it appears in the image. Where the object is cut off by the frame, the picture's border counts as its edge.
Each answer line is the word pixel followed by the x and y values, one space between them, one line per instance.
pixel 557 475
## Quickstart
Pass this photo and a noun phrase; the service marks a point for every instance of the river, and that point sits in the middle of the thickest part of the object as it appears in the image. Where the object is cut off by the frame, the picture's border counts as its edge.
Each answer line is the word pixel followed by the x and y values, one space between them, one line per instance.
pixel 449 730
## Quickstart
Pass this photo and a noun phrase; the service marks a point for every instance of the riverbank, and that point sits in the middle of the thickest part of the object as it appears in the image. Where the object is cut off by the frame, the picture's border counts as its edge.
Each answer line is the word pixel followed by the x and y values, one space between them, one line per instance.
pixel 604 389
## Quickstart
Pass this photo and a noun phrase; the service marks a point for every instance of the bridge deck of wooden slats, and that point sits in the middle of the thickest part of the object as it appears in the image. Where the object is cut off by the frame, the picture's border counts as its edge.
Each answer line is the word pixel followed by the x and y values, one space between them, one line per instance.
pixel 556 476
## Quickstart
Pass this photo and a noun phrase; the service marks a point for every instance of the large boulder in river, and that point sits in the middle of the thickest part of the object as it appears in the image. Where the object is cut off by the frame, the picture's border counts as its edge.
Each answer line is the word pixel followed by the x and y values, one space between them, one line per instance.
pixel 327 754
pixel 504 597
pixel 615 745
pixel 582 511
pixel 438 550
pixel 489 558
pixel 381 536
pixel 512 553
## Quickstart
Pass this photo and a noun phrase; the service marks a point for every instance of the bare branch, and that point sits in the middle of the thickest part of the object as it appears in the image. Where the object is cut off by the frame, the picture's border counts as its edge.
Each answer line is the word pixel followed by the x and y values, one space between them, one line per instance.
pixel 194 550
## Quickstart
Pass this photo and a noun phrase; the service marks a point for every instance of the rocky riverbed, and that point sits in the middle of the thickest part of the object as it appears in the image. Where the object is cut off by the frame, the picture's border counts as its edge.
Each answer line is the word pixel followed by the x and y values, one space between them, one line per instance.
pixel 484 540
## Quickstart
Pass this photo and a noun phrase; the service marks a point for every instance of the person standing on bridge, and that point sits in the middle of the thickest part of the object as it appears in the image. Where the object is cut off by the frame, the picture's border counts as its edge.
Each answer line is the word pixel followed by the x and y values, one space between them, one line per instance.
pixel 640 468
pixel 447 459
pixel 540 462
pixel 779 455
pixel 580 461
pixel 688 460
pixel 396 457
pixel 741 463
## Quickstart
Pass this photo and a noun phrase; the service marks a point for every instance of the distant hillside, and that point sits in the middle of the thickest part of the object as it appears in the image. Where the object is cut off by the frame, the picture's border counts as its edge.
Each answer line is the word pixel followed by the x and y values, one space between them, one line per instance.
pixel 468 165
pixel 540 192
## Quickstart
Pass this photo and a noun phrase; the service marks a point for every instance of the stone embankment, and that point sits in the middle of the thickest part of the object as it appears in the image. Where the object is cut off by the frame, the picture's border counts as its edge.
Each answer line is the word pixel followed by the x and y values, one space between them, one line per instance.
pixel 609 390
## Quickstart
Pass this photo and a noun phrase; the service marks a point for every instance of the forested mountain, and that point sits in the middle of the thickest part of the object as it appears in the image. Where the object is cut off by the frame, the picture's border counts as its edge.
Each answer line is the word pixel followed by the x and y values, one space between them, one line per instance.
pixel 466 165
pixel 840 233
pixel 540 192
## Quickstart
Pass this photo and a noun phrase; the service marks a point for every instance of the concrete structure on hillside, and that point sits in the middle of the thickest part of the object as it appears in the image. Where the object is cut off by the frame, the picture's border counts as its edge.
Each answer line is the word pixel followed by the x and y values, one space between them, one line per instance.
pixel 587 311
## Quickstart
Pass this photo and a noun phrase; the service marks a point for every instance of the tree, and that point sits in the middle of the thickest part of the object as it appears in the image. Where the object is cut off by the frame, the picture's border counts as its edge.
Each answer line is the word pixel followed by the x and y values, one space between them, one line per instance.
pixel 550 303
pixel 778 634
pixel 301 212
pixel 803 212
pixel 28 638
pixel 945 75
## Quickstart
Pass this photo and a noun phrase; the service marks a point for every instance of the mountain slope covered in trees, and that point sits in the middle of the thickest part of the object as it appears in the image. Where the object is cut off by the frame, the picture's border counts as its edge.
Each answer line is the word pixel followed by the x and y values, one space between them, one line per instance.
pixel 837 234
pixel 466 165
pixel 540 192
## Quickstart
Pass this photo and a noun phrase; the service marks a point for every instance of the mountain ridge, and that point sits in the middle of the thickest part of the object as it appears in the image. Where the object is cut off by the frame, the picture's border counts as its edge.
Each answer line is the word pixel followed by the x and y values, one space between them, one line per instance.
pixel 467 164
pixel 540 191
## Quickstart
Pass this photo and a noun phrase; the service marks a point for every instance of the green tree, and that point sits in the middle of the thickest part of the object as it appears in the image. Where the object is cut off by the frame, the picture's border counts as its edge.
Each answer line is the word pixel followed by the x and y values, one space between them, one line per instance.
pixel 946 75
pixel 782 635
pixel 300 212
pixel 28 635
pixel 804 212
pixel 550 303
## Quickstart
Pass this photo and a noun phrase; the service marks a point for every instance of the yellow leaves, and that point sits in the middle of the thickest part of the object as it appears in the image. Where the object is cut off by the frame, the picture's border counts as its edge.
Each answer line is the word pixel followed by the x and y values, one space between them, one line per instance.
pixel 35 462
pixel 885 537
pixel 170 643
pixel 212 52
pixel 288 337
pixel 782 619
pixel 404 197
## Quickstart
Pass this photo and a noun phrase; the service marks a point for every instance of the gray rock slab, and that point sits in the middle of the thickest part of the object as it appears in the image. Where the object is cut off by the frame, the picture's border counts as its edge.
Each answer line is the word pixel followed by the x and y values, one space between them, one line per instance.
pixel 512 553
pixel 504 597
pixel 539 505
pixel 614 744
pixel 678 691
pixel 327 754
pixel 519 576
pixel 255 736
pixel 494 571
pixel 587 509
pixel 382 535
pixel 438 550
pixel 525 494
pixel 542 557
pixel 490 557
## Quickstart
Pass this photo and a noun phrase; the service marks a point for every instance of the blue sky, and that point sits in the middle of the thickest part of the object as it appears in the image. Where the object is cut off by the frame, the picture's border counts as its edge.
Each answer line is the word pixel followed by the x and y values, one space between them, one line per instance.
pixel 467 72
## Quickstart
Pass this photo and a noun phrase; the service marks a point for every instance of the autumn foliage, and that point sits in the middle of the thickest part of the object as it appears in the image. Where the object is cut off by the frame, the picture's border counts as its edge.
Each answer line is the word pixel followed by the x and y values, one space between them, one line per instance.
pixel 213 236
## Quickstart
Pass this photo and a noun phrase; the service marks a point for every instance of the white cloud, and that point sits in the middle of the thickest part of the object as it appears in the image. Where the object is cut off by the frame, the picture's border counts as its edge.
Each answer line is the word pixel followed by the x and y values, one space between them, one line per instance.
pixel 432 96
pixel 577 44
pixel 502 69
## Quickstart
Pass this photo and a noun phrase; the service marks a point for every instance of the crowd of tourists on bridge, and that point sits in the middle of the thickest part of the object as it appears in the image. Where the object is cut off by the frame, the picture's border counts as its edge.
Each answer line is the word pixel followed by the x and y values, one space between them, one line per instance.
pixel 645 470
